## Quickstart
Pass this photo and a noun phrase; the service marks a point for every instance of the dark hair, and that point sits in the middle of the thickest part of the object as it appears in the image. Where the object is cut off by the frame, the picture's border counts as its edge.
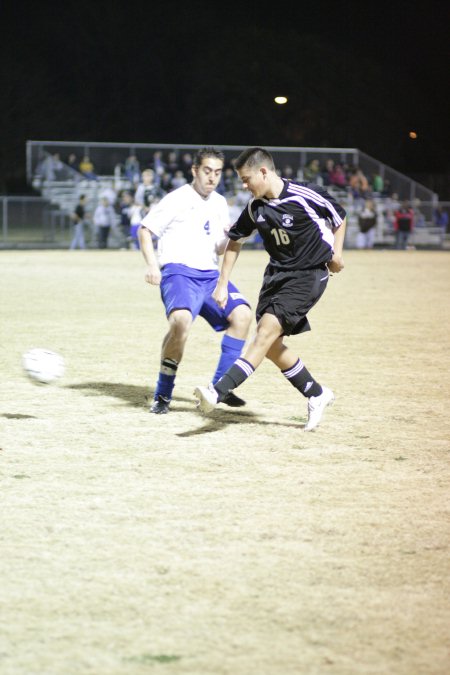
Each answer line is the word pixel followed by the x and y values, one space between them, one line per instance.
pixel 203 153
pixel 254 157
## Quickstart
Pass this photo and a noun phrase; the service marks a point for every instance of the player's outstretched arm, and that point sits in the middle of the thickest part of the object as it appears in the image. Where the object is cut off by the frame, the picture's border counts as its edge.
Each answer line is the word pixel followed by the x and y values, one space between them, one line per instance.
pixel 152 273
pixel 336 263
pixel 230 256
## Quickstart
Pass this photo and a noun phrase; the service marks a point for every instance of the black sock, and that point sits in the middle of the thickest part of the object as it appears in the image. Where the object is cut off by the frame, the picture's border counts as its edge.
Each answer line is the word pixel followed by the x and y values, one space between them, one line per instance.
pixel 302 380
pixel 236 375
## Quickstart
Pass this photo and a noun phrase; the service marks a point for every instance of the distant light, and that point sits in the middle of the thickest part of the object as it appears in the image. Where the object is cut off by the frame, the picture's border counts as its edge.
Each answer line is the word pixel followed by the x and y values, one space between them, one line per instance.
pixel 413 135
pixel 280 100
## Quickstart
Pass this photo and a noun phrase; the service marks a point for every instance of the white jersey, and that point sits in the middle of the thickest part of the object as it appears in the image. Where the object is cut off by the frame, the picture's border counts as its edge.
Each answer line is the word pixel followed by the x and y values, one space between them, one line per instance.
pixel 189 228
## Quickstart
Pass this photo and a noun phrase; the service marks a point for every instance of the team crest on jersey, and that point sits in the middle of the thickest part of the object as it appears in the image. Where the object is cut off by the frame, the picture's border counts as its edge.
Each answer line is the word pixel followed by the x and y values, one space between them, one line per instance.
pixel 287 220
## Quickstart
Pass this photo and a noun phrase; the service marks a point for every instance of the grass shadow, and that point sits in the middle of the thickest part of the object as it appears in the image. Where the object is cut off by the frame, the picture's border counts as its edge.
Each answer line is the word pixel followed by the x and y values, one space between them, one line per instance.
pixel 131 394
pixel 137 397
pixel 221 418
pixel 18 416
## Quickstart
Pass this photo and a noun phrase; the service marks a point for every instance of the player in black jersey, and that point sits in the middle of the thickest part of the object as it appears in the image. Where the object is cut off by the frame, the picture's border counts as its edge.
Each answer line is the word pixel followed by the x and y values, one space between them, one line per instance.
pixel 302 227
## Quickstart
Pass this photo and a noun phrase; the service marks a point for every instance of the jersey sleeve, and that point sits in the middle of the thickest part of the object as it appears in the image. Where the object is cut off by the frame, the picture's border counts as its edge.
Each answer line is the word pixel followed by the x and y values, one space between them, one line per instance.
pixel 159 216
pixel 329 207
pixel 245 224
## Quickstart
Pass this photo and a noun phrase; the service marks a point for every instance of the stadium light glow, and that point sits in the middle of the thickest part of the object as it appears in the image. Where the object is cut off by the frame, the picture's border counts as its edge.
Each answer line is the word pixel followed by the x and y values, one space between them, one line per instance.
pixel 280 100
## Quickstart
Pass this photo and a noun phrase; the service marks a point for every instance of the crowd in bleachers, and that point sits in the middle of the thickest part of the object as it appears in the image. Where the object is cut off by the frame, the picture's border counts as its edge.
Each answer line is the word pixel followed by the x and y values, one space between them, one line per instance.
pixel 134 186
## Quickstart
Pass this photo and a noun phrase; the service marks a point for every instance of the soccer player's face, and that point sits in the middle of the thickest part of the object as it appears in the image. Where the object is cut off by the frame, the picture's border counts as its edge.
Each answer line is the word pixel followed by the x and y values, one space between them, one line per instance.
pixel 253 180
pixel 207 175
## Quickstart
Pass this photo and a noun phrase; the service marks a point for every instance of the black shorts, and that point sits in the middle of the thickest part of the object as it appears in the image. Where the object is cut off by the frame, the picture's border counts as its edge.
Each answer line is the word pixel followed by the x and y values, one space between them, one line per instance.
pixel 289 295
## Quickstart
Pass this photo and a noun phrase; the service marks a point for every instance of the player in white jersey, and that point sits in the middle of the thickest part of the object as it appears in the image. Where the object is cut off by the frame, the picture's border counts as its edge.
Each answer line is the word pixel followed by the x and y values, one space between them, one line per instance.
pixel 191 225
pixel 302 228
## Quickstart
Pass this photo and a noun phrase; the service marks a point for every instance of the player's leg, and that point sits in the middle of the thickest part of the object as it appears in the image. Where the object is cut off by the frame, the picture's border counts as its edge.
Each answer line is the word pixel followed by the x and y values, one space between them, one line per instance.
pixel 235 319
pixel 295 304
pixel 81 242
pixel 172 351
pixel 267 331
pixel 231 347
pixel 180 296
pixel 293 369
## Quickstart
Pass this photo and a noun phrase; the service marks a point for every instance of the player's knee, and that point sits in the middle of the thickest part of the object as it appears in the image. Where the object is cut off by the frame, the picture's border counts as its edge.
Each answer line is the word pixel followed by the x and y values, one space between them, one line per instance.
pixel 267 332
pixel 180 323
pixel 240 318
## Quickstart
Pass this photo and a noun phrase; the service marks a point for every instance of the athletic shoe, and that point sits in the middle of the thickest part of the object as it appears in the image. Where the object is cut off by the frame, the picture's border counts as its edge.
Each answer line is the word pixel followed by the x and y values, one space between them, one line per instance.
pixel 160 405
pixel 316 408
pixel 233 401
pixel 207 398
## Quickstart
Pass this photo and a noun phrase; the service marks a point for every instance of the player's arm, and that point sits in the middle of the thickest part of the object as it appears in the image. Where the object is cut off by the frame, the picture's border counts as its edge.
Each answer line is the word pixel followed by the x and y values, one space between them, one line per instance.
pixel 222 243
pixel 230 256
pixel 336 263
pixel 152 273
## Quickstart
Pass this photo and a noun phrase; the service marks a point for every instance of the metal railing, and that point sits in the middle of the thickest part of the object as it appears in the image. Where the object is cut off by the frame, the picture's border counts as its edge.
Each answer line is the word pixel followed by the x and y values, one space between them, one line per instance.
pixel 32 221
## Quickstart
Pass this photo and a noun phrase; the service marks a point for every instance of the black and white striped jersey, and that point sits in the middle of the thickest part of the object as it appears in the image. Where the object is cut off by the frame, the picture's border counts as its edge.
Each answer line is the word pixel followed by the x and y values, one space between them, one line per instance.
pixel 296 228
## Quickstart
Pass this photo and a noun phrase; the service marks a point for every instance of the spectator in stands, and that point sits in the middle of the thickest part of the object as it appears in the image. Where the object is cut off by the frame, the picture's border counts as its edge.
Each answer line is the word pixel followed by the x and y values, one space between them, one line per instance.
pixel 377 183
pixel 403 225
pixel 387 188
pixel 338 177
pixel 58 166
pixel 86 167
pixel 419 216
pixel 172 162
pixel 137 213
pixel 311 172
pixel 49 168
pixel 391 204
pixel 158 165
pixel 72 161
pixel 165 183
pixel 359 184
pixel 178 179
pixel 186 165
pixel 367 220
pixel 132 169
pixel 78 218
pixel 440 218
pixel 288 172
pixel 109 193
pixel 147 191
pixel 125 204
pixel 104 221
pixel 327 172
pixel 229 182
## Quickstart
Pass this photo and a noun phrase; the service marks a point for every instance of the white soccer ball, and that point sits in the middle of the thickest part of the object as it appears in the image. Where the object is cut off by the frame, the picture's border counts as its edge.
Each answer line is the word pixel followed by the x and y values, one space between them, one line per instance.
pixel 43 365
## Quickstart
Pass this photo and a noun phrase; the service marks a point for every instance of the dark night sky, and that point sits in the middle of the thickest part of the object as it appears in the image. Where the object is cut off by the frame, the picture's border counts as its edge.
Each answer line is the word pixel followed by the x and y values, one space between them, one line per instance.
pixel 357 75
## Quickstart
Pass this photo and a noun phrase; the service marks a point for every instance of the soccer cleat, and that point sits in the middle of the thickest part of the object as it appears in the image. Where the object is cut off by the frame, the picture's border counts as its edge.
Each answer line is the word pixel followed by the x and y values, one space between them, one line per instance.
pixel 316 408
pixel 233 401
pixel 207 398
pixel 160 405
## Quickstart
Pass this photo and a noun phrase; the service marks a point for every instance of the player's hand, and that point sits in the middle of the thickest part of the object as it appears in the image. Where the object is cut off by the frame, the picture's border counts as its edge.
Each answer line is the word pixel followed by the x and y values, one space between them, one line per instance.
pixel 153 276
pixel 336 264
pixel 220 294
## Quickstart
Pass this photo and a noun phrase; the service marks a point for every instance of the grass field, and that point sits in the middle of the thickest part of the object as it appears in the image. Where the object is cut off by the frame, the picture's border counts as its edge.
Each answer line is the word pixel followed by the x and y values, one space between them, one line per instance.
pixel 236 544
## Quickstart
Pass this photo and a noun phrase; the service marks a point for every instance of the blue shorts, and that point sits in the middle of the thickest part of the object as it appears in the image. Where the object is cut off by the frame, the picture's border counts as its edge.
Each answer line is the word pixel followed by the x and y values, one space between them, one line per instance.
pixel 186 288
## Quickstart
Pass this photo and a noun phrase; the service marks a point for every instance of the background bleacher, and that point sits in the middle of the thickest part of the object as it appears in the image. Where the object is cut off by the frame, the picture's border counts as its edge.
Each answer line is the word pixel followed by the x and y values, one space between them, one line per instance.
pixel 45 221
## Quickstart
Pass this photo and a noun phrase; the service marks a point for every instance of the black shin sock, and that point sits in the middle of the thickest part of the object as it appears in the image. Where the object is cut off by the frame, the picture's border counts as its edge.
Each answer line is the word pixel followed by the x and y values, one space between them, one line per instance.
pixel 301 379
pixel 236 375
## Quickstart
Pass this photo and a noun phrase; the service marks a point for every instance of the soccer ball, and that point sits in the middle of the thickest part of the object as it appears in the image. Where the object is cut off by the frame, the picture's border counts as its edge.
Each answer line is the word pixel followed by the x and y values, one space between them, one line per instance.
pixel 43 365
